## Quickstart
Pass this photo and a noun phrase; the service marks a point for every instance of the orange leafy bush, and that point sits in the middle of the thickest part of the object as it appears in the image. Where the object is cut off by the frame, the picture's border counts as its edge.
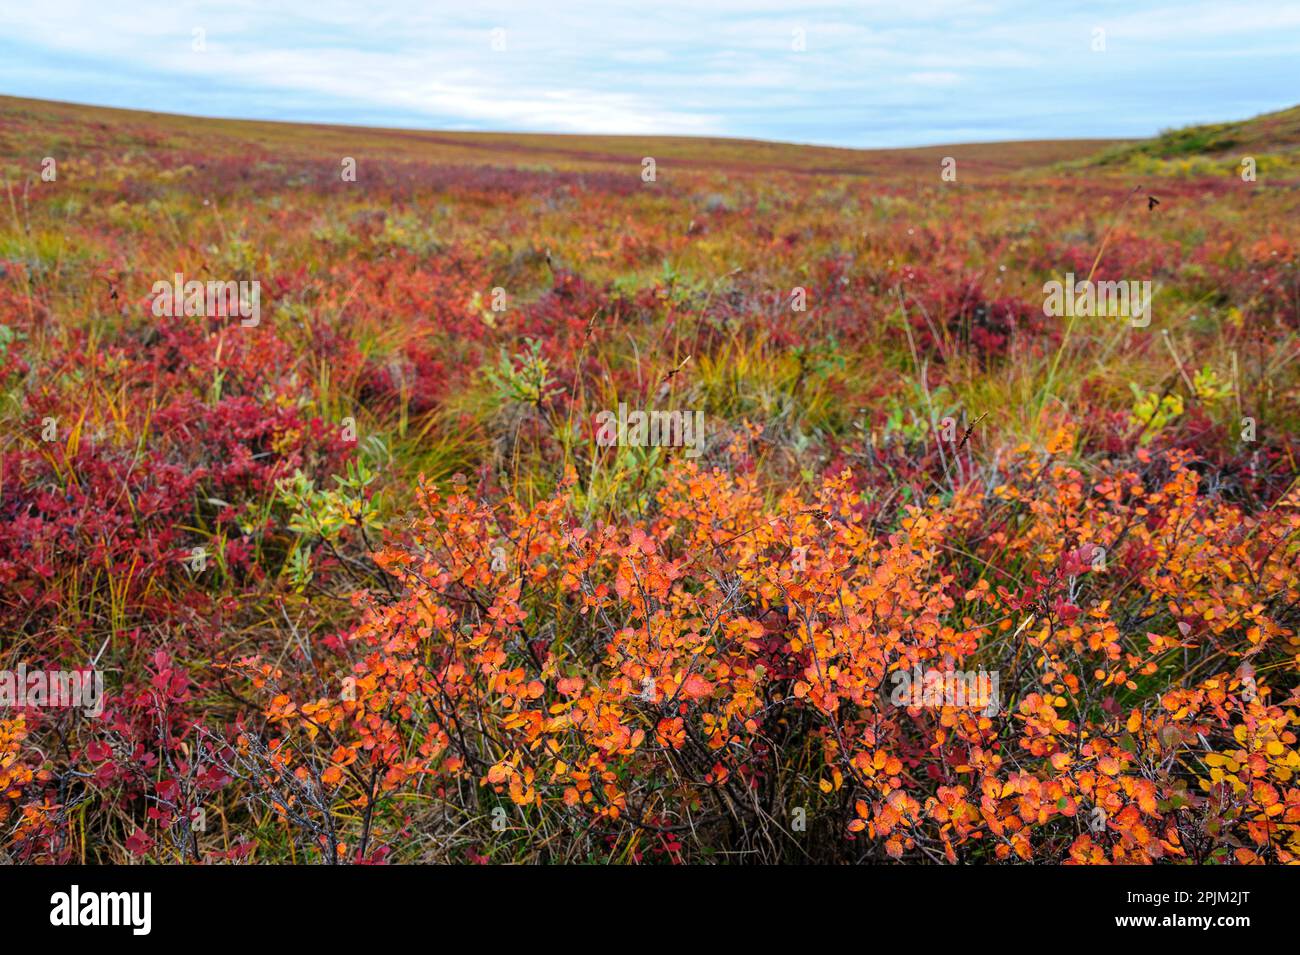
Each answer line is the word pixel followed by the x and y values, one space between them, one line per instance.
pixel 718 676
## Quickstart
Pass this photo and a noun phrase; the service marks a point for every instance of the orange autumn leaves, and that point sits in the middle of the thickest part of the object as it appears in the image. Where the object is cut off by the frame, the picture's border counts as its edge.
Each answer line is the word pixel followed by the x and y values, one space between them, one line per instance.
pixel 625 680
pixel 25 817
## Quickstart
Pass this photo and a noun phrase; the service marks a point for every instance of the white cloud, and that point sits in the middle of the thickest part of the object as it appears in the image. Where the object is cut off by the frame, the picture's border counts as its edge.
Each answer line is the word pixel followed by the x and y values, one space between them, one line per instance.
pixel 935 78
pixel 671 66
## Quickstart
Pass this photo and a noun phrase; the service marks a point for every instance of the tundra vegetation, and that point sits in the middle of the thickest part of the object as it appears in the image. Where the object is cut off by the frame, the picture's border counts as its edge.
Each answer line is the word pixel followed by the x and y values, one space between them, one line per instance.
pixel 366 583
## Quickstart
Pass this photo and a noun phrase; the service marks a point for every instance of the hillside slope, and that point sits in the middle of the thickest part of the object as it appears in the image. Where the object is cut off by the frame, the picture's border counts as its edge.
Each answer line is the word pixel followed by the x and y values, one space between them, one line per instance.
pixel 34 127
pixel 1271 139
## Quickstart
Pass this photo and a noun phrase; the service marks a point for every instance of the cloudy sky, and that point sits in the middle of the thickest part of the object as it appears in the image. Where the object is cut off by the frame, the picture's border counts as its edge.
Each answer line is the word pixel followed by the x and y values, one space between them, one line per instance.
pixel 903 72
